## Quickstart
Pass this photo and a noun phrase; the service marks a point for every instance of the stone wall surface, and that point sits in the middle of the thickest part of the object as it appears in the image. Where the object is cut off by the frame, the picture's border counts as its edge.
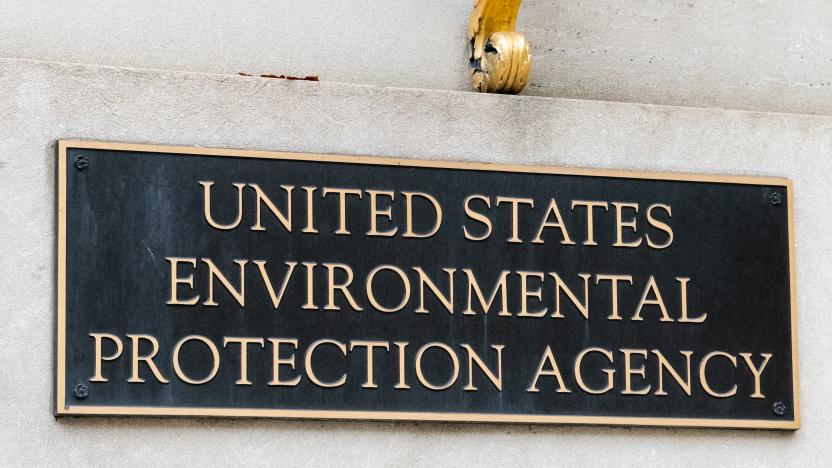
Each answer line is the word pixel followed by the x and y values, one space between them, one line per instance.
pixel 763 55
pixel 41 102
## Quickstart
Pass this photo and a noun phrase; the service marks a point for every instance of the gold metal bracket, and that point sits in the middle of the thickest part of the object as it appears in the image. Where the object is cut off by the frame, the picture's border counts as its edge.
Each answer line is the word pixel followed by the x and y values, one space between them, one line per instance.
pixel 500 59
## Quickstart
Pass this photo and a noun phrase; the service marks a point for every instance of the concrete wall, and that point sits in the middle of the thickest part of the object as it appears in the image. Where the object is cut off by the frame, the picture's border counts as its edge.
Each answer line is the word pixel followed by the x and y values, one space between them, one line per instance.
pixel 41 102
pixel 764 55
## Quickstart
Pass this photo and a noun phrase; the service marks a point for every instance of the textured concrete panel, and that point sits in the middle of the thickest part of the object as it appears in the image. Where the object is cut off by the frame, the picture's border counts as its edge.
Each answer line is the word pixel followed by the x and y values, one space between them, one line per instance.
pixel 41 102
pixel 764 55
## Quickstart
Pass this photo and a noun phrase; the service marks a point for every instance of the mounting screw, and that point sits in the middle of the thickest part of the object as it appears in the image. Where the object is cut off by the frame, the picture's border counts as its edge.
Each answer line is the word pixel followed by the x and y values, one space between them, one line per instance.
pixel 775 198
pixel 81 162
pixel 779 408
pixel 81 391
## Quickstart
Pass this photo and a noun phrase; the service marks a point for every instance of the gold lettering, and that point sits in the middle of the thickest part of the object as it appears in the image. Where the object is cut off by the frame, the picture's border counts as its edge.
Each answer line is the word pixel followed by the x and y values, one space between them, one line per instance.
pixel 310 211
pixel 660 225
pixel 277 361
pixel 446 300
pixel 148 359
pixel 310 373
pixel 683 287
pixel 98 337
pixel 285 219
pixel 454 362
pixel 651 287
pixel 665 364
pixel 375 213
pixel 583 308
pixel 496 380
pixel 276 298
pixel 579 379
pixel 526 293
pixel 703 378
pixel 214 272
pixel 630 371
pixel 332 286
pixel 515 218
pixel 614 279
pixel 342 206
pixel 175 281
pixel 408 203
pixel 590 228
pixel 402 384
pixel 757 371
pixel 206 185
pixel 553 209
pixel 477 217
pixel 310 286
pixel 369 346
pixel 620 224
pixel 215 354
pixel 499 287
pixel 554 371
pixel 243 342
pixel 371 294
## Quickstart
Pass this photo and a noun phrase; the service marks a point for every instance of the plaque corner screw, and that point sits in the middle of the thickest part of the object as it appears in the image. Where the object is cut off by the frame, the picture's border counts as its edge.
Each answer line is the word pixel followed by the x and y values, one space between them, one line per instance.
pixel 81 162
pixel 775 198
pixel 81 391
pixel 779 408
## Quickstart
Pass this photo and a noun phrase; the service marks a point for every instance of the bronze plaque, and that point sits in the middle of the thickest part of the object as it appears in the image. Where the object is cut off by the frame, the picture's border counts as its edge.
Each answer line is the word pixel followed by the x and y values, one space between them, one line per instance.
pixel 211 282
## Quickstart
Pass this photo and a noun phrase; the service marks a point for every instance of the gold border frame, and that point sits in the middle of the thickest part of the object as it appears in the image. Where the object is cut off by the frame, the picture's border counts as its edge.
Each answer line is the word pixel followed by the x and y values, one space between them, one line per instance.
pixel 64 409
